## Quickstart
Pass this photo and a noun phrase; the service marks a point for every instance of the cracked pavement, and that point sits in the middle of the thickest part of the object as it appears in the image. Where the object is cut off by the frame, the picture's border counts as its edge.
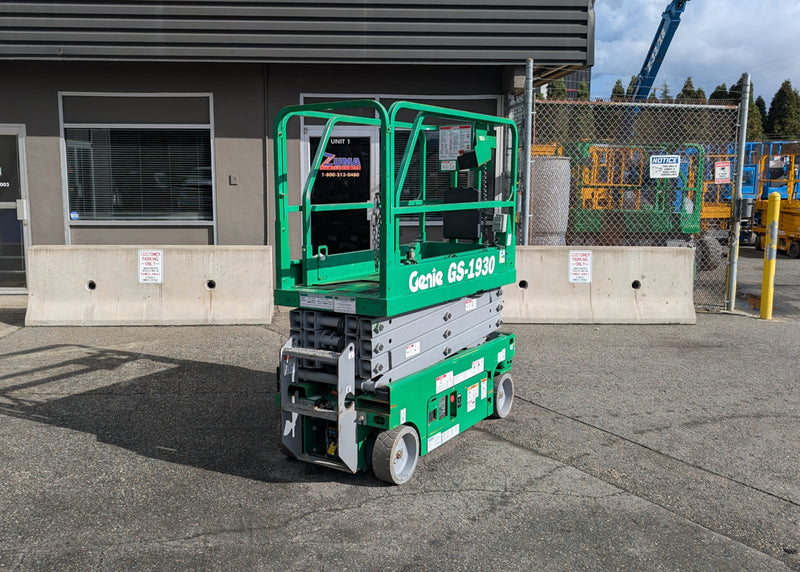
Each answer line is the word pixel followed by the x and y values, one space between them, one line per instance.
pixel 628 447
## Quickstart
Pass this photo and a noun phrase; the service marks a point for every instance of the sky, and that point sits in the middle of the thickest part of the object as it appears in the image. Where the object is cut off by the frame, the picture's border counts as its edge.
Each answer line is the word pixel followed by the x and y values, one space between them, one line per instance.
pixel 716 41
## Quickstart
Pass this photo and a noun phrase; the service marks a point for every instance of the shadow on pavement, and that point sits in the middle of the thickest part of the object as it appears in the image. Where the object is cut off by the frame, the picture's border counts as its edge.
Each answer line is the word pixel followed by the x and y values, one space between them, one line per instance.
pixel 14 317
pixel 210 416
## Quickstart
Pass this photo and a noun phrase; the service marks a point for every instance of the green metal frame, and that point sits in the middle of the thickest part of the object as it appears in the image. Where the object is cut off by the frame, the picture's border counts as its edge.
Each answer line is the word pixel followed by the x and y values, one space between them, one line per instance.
pixel 465 382
pixel 390 281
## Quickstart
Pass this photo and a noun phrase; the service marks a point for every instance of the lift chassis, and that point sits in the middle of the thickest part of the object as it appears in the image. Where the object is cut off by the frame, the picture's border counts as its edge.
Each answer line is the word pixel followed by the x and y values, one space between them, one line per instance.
pixel 394 346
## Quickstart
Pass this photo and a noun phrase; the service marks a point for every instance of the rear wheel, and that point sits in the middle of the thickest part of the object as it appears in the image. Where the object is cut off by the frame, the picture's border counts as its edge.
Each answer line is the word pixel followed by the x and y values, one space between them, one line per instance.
pixel 794 250
pixel 758 244
pixel 503 396
pixel 395 454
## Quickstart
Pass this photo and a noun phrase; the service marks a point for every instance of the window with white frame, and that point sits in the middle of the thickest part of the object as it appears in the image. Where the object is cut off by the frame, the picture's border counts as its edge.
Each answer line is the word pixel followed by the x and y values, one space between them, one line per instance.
pixel 138 158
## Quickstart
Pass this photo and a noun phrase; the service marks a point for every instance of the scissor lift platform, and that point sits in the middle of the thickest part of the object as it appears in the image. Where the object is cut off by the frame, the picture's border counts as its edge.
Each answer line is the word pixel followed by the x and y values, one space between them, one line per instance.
pixel 394 345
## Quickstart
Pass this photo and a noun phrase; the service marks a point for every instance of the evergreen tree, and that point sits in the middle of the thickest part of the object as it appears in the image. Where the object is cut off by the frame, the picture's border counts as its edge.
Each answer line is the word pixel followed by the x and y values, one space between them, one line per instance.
pixel 720 93
pixel 688 93
pixel 583 92
pixel 761 105
pixel 618 92
pixel 557 91
pixel 755 127
pixel 736 90
pixel 631 84
pixel 666 96
pixel 700 95
pixel 652 98
pixel 783 118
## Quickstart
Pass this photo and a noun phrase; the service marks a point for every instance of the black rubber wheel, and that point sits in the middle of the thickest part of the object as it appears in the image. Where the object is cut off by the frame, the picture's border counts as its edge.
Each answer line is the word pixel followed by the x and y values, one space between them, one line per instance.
pixel 794 250
pixel 758 244
pixel 503 396
pixel 395 454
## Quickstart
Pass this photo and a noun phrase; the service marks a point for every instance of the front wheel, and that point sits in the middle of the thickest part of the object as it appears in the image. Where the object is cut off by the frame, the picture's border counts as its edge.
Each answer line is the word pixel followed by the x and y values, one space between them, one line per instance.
pixel 503 396
pixel 395 454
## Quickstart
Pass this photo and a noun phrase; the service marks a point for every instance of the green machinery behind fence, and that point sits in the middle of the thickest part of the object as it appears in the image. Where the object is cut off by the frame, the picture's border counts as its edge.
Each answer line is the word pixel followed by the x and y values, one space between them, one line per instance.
pixel 394 347
pixel 615 191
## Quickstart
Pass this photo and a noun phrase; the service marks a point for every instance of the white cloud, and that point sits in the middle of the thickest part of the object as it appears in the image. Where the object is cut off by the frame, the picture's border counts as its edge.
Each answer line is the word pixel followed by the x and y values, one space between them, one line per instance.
pixel 716 42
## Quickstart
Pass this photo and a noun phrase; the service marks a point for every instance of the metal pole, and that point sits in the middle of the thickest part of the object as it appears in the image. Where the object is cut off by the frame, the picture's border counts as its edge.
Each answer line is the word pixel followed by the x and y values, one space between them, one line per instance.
pixel 736 199
pixel 526 152
pixel 770 254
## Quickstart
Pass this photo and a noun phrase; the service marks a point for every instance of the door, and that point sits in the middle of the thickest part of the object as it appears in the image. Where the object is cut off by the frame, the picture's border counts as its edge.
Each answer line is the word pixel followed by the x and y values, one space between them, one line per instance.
pixel 14 230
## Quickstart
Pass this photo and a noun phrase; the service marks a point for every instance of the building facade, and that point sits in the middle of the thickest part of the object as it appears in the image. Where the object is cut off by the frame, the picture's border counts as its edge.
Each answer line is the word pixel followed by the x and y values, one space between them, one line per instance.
pixel 151 123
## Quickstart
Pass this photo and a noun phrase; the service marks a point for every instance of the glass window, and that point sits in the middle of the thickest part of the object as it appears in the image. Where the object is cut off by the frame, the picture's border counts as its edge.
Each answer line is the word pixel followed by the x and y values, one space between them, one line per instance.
pixel 139 173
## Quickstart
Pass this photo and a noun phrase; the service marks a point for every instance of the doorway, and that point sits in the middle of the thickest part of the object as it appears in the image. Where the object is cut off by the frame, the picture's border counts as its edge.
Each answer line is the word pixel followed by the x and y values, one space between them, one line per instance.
pixel 14 229
pixel 349 174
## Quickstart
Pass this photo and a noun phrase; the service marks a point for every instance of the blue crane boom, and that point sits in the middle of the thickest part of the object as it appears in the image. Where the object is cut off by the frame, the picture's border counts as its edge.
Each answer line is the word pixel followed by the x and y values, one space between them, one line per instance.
pixel 652 62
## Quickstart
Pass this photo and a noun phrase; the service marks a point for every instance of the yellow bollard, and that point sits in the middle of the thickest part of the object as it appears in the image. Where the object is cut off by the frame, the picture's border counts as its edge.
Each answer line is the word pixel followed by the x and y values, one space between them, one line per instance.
pixel 770 253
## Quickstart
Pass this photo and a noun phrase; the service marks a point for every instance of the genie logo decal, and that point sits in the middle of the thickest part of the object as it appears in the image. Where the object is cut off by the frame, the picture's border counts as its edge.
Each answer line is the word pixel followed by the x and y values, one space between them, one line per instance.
pixel 456 272
pixel 333 163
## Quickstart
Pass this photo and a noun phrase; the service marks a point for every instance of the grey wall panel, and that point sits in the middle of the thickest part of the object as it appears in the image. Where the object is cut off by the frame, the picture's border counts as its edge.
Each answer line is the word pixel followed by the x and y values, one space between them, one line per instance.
pixel 554 32
pixel 30 97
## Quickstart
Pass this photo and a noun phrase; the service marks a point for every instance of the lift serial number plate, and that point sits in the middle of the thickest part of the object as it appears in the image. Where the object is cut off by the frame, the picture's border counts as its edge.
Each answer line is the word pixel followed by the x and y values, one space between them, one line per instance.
pixel 330 303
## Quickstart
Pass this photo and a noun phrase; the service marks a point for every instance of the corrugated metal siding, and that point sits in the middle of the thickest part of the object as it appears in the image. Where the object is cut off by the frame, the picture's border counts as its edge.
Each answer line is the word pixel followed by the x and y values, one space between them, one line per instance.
pixel 557 33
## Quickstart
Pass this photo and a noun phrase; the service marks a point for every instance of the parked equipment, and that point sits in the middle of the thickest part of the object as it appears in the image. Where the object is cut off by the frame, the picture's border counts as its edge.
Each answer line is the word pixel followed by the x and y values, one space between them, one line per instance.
pixel 773 167
pixel 394 345
pixel 617 194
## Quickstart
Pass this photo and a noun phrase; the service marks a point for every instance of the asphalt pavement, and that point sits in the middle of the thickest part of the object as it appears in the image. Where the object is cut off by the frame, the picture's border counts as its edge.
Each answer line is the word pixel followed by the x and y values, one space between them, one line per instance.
pixel 627 448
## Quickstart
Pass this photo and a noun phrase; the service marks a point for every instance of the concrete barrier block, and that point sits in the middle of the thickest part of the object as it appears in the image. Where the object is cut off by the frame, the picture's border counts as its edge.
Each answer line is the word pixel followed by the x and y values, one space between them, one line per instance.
pixel 648 285
pixel 100 285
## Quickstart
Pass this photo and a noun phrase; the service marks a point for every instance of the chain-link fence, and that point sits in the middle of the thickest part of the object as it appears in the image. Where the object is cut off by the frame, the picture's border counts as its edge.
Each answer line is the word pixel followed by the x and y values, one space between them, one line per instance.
pixel 636 174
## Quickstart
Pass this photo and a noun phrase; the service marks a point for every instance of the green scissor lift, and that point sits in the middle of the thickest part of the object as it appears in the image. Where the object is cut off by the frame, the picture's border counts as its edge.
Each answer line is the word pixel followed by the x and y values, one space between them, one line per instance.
pixel 394 345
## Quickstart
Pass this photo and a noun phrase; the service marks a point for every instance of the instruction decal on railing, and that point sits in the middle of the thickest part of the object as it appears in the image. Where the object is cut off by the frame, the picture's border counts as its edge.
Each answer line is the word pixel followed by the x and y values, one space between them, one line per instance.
pixel 454 140
pixel 456 272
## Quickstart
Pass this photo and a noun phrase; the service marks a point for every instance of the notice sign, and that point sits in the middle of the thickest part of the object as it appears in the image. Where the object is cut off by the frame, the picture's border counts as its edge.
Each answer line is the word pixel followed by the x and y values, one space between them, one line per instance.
pixel 151 266
pixel 722 172
pixel 580 266
pixel 665 166
pixel 453 141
